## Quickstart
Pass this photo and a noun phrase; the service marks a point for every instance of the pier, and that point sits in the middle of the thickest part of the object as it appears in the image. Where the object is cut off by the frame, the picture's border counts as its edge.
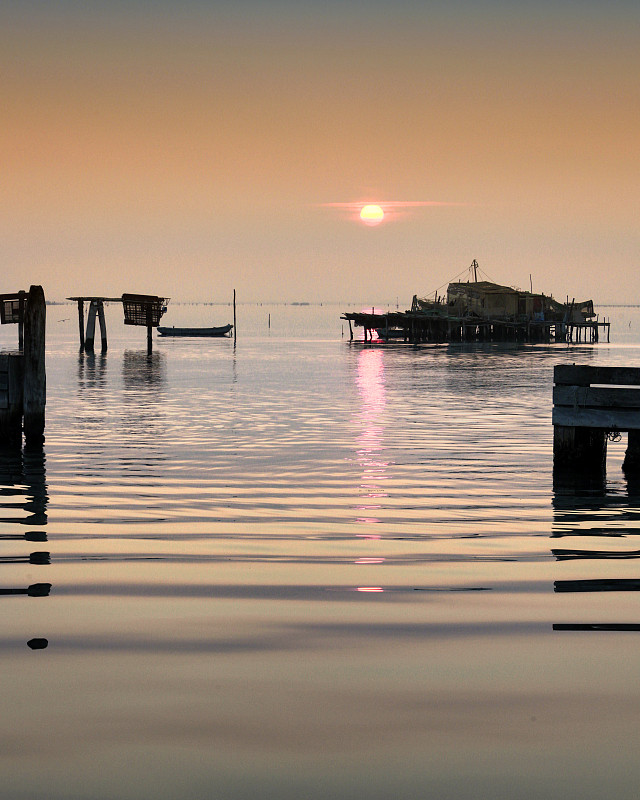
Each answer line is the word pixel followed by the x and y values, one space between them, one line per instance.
pixel 590 406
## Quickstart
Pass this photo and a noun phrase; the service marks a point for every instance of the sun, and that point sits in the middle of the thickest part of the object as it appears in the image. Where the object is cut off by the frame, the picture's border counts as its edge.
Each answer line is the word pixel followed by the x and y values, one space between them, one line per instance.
pixel 371 214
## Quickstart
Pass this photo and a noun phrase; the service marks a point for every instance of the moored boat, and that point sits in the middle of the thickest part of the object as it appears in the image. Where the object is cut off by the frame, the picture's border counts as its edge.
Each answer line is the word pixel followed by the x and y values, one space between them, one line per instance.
pixel 222 330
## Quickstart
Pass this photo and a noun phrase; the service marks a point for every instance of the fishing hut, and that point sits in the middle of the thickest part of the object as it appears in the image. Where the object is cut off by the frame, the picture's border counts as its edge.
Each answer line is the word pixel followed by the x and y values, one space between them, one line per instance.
pixel 592 405
pixel 22 371
pixel 139 309
pixel 483 311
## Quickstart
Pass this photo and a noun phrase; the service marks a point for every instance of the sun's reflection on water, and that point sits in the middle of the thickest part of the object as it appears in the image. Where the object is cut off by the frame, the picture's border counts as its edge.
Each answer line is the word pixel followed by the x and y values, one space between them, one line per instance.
pixel 370 381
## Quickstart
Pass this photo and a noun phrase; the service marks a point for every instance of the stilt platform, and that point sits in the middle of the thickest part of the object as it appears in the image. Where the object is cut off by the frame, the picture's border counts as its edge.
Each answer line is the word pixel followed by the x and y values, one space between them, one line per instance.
pixel 419 327
pixel 139 309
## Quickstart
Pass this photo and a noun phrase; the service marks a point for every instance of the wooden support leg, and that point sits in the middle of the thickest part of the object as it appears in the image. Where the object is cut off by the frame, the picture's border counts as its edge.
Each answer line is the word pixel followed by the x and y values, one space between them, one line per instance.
pixel 11 399
pixel 631 461
pixel 91 327
pixel 103 326
pixel 579 449
pixel 81 322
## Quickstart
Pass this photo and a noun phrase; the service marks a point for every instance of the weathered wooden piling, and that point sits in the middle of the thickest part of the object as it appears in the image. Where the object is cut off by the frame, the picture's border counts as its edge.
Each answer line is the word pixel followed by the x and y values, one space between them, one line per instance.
pixel 11 397
pixel 35 378
pixel 589 405
pixel 96 309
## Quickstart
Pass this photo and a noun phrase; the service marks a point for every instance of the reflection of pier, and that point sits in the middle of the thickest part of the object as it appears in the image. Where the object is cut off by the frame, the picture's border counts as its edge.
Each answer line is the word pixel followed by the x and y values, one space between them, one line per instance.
pixel 23 488
pixel 23 485
pixel 596 575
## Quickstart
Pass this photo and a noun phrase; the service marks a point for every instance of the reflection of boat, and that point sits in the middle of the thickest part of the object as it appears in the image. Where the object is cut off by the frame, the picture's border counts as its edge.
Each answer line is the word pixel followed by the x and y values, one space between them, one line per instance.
pixel 222 330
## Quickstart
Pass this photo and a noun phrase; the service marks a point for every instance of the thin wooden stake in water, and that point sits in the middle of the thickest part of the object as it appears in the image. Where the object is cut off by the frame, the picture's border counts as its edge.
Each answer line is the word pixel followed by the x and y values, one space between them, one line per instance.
pixel 35 378
pixel 234 315
pixel 149 329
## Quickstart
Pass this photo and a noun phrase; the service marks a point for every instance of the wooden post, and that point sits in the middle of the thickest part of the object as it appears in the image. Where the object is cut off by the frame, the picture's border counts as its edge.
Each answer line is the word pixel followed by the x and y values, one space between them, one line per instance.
pixel 350 331
pixel 149 329
pixel 579 449
pixel 35 378
pixel 11 398
pixel 234 315
pixel 631 461
pixel 22 297
pixel 91 327
pixel 81 322
pixel 103 325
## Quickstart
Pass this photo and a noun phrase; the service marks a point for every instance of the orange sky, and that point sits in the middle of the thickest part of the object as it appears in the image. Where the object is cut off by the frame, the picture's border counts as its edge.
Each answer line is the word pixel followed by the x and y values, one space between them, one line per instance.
pixel 189 151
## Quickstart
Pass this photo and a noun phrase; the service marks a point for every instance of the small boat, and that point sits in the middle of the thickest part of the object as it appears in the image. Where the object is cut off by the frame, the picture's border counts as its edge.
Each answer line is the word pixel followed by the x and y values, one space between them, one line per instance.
pixel 222 330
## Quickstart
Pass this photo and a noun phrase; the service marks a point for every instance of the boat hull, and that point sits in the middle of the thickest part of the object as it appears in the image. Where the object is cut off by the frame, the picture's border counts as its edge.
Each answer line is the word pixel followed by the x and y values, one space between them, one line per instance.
pixel 223 330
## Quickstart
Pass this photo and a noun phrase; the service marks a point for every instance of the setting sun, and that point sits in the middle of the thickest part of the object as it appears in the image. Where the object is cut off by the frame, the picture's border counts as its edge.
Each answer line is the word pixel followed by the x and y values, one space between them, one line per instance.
pixel 371 215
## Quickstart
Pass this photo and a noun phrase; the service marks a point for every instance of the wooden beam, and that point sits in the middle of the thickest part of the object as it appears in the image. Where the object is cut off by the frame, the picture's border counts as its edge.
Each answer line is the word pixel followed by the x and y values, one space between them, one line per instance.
pixel 579 375
pixel 622 419
pixel 595 397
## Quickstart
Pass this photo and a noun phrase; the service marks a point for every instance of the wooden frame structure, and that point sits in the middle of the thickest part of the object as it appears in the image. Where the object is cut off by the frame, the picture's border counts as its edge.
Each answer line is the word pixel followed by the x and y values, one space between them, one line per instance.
pixel 589 405
pixel 139 309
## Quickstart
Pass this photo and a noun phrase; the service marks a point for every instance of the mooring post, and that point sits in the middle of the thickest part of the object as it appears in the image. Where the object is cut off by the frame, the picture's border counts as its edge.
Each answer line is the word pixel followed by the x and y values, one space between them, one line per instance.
pixel 35 378
pixel 234 315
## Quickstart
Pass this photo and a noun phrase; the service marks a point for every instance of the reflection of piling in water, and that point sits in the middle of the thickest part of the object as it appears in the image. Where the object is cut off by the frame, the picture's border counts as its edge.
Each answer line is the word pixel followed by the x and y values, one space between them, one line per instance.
pixel 584 513
pixel 35 590
pixel 23 475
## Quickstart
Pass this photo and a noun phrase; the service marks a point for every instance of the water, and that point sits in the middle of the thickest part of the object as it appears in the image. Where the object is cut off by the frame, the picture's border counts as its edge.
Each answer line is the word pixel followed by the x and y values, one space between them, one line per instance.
pixel 304 568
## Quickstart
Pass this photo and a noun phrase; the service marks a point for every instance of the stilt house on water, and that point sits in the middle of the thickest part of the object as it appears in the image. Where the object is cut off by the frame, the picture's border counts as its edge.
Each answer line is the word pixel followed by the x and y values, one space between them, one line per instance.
pixel 484 311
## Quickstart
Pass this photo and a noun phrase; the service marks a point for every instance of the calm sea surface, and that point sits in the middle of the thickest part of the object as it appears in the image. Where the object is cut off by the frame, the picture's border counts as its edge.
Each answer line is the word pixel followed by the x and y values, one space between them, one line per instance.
pixel 304 568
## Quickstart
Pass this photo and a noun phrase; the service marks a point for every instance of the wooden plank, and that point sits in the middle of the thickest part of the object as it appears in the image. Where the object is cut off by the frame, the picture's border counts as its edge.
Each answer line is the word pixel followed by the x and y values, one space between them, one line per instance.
pixel 580 375
pixel 4 399
pixel 622 419
pixel 595 397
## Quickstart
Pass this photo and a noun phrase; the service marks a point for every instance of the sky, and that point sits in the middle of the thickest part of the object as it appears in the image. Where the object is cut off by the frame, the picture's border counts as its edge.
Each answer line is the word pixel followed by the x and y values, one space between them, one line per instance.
pixel 189 149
